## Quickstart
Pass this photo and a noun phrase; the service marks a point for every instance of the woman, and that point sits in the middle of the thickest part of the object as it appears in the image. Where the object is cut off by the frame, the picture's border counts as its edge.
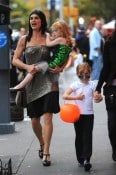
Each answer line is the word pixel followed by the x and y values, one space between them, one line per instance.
pixel 42 93
pixel 61 40
pixel 108 76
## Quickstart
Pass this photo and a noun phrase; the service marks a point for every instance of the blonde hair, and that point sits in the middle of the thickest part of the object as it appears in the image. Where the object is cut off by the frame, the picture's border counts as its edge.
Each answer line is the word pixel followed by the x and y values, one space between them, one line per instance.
pixel 64 28
pixel 81 68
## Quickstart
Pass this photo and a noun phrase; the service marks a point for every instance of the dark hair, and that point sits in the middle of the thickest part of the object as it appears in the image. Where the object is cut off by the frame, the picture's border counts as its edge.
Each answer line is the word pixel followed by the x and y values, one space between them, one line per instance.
pixel 43 23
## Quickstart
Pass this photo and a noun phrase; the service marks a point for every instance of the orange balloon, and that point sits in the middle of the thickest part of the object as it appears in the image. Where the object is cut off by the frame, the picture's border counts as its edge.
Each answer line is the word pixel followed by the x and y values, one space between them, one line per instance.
pixel 70 113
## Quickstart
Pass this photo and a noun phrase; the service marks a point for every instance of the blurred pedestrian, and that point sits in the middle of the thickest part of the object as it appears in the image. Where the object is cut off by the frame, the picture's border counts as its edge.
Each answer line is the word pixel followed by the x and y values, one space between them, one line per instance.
pixel 108 79
pixel 96 49
pixel 82 42
pixel 22 31
pixel 75 58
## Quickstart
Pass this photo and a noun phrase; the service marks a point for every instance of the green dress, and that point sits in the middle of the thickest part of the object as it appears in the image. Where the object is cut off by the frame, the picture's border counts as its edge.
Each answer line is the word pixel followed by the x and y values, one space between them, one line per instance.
pixel 60 55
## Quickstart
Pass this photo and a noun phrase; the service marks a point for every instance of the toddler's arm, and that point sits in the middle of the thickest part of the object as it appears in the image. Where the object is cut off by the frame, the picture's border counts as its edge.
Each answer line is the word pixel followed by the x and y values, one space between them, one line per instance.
pixel 53 42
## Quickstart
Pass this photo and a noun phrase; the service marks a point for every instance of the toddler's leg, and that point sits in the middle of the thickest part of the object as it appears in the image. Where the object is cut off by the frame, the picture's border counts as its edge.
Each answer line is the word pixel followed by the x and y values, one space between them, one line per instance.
pixel 41 67
pixel 24 82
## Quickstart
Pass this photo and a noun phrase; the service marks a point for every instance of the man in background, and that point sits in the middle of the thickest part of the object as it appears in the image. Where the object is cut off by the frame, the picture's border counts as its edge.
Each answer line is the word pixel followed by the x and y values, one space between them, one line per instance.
pixel 96 49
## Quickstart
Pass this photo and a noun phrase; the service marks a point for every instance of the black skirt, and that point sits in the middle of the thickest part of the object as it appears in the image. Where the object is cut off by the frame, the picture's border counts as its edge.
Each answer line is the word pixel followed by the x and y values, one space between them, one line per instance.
pixel 48 103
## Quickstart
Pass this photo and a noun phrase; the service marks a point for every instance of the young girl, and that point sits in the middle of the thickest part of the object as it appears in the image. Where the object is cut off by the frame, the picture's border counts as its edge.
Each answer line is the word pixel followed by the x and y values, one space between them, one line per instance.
pixel 62 40
pixel 83 91
pixel 75 58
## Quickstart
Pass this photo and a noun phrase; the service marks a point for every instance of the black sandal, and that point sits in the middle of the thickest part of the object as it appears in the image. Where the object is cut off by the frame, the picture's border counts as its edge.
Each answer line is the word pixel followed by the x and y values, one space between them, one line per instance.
pixel 41 152
pixel 45 161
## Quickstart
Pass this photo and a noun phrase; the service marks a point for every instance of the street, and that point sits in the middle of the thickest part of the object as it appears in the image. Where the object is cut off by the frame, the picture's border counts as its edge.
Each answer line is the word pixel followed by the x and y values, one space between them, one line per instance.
pixel 22 146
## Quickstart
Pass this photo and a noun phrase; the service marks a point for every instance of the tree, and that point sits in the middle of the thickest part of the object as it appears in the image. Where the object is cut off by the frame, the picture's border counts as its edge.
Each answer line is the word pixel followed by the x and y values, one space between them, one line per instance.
pixel 99 8
pixel 19 13
pixel 87 8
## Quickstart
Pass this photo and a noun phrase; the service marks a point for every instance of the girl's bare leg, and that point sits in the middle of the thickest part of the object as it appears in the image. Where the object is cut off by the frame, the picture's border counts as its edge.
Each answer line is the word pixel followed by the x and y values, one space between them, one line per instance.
pixel 45 136
pixel 37 128
pixel 41 66
pixel 47 130
pixel 24 82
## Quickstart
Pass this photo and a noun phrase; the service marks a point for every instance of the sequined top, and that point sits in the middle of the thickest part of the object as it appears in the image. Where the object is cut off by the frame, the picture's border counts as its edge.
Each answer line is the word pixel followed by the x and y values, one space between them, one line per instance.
pixel 41 83
pixel 60 55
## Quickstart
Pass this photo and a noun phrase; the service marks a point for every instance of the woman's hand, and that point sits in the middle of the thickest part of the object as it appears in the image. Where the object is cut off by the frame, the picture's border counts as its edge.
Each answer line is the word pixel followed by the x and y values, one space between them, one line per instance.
pixel 57 69
pixel 31 69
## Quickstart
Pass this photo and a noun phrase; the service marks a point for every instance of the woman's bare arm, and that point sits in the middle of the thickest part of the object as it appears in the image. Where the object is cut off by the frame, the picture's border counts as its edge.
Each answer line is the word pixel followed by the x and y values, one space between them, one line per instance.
pixel 18 53
pixel 17 56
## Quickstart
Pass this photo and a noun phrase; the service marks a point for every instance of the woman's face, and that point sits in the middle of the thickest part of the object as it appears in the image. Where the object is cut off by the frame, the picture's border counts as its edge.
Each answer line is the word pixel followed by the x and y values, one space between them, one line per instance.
pixel 35 22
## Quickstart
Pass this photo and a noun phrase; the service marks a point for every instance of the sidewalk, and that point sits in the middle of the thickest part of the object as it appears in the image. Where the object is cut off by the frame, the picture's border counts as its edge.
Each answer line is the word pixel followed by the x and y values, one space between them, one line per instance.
pixel 22 146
